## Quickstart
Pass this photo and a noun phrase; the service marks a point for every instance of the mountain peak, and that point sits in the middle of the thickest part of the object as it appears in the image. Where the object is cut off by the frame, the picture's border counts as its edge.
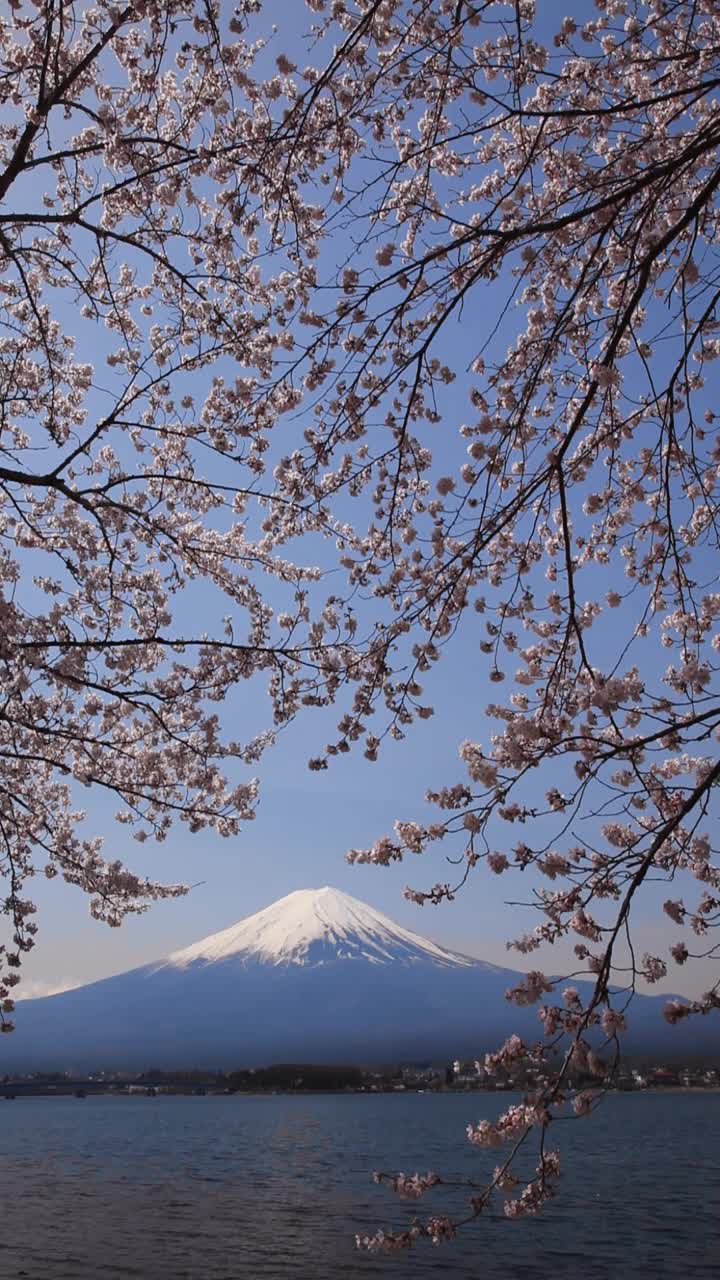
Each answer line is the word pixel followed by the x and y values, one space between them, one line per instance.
pixel 316 926
pixel 316 977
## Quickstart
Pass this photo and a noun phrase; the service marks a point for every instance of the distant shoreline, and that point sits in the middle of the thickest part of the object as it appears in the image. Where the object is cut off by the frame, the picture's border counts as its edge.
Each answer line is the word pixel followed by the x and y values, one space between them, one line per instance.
pixel 154 1094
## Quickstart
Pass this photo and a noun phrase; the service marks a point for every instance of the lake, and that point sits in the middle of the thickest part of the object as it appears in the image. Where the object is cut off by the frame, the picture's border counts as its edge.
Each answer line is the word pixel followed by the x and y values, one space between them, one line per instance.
pixel 248 1188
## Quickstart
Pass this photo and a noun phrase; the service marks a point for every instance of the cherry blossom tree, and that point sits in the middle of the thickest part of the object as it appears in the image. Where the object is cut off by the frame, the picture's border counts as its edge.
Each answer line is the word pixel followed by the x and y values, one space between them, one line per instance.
pixel 426 292
pixel 572 179
pixel 133 443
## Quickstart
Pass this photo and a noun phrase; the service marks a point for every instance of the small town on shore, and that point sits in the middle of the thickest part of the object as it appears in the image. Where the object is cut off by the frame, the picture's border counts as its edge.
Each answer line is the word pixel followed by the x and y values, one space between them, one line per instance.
pixel 457 1077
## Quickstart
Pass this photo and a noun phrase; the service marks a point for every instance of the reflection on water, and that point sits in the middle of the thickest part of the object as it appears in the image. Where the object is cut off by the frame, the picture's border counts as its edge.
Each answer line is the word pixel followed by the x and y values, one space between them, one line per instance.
pixel 251 1188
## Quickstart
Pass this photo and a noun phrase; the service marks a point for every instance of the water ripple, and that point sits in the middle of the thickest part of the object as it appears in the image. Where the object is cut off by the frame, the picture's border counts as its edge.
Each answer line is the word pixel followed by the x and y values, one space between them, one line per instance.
pixel 274 1188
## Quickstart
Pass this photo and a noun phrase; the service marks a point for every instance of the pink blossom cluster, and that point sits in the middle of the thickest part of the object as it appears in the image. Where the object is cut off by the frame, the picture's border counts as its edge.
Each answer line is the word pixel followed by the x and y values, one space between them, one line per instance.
pixel 409 1186
pixel 509 1126
pixel 530 989
pixel 537 1192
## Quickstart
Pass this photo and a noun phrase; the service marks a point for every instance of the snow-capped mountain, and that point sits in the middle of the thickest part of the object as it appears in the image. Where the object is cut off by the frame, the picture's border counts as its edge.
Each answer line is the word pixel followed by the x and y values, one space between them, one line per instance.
pixel 316 977
pixel 316 926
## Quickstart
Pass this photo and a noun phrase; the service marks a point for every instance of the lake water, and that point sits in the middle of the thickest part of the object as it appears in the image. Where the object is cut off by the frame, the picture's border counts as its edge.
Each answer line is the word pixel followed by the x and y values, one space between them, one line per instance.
pixel 249 1188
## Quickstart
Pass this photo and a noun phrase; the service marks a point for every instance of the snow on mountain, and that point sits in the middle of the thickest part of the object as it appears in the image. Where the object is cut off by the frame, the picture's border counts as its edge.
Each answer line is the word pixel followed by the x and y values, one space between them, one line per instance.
pixel 316 977
pixel 316 926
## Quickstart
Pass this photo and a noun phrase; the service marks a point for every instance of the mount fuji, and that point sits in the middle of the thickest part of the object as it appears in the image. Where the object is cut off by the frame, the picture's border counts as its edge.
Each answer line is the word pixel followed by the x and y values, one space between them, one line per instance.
pixel 317 977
